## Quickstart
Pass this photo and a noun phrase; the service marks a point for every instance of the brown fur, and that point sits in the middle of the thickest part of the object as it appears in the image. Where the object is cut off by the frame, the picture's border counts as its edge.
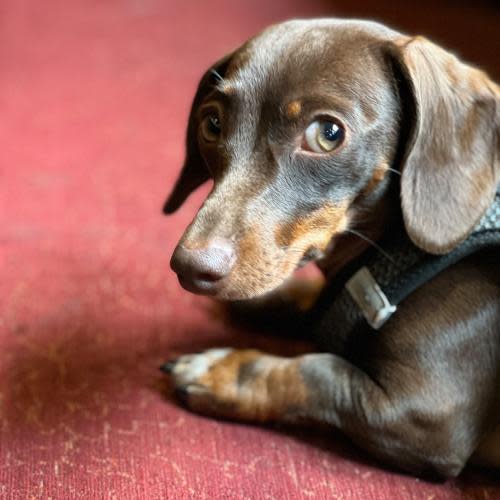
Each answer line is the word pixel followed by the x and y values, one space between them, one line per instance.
pixel 441 161
pixel 256 387
pixel 423 393
pixel 316 230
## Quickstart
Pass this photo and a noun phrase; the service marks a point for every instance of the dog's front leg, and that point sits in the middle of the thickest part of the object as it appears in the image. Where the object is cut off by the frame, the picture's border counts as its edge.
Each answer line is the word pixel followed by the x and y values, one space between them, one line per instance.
pixel 318 388
pixel 239 384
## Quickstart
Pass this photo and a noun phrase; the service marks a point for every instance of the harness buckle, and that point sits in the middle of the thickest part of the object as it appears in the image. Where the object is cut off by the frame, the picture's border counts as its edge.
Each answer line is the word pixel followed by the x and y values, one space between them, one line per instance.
pixel 370 298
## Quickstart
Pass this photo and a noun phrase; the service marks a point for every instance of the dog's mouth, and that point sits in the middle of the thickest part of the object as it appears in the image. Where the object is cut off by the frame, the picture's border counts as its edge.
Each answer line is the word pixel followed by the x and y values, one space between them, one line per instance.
pixel 201 285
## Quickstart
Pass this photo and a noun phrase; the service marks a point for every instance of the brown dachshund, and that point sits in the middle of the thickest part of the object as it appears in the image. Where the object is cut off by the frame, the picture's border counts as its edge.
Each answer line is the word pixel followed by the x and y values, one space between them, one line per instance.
pixel 322 136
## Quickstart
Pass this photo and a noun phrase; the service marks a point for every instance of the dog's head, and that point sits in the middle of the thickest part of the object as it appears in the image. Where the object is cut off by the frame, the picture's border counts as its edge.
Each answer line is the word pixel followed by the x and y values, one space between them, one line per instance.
pixel 299 128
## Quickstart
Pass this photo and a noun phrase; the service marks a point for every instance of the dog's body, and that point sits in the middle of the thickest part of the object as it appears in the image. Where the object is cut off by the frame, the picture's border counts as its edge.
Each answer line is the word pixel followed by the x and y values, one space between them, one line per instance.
pixel 304 131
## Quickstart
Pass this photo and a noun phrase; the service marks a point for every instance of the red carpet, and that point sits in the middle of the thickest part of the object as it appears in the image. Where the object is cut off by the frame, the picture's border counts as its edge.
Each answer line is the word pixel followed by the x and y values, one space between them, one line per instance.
pixel 94 97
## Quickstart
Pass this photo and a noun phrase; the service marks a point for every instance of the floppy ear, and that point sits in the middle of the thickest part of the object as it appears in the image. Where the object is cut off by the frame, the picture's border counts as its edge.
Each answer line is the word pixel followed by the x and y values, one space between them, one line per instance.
pixel 194 172
pixel 451 160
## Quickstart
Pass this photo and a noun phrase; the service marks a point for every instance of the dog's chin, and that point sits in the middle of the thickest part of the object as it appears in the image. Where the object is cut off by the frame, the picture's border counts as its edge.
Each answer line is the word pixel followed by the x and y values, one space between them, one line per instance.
pixel 225 290
pixel 239 294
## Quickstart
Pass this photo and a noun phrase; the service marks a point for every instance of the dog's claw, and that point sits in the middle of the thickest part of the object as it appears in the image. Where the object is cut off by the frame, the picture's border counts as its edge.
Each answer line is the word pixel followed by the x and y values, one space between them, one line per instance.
pixel 184 392
pixel 168 367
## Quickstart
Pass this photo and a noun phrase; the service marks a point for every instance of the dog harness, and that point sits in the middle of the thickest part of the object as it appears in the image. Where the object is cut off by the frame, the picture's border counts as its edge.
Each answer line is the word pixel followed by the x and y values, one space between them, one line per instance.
pixel 370 289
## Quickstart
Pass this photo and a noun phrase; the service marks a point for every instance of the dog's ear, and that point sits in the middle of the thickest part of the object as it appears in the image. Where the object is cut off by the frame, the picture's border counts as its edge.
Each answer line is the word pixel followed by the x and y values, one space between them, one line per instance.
pixel 450 163
pixel 194 172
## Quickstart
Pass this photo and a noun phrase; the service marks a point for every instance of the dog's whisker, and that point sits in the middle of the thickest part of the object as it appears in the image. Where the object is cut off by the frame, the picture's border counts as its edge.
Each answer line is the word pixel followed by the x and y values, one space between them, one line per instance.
pixel 217 75
pixel 375 245
pixel 394 170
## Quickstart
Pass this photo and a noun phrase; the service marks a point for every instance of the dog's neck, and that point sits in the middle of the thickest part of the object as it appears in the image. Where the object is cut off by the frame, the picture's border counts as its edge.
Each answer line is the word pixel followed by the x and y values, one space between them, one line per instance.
pixel 347 246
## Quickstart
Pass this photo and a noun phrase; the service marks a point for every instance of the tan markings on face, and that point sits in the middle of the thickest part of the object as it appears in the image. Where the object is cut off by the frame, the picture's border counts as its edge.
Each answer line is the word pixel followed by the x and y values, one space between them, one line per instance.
pixel 249 246
pixel 260 266
pixel 315 230
pixel 293 109
pixel 378 175
pixel 265 260
pixel 253 386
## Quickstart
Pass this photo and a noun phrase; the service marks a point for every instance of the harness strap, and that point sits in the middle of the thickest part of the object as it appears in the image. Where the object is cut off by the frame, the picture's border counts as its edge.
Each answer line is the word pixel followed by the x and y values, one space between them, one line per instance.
pixel 368 292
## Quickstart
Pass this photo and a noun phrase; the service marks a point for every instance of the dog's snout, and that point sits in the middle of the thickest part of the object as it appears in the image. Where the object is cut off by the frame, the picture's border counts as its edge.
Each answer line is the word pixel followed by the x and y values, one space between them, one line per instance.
pixel 200 269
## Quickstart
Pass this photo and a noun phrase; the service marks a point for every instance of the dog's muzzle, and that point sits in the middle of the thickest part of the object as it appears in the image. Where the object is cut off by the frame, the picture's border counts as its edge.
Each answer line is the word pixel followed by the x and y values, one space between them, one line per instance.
pixel 202 269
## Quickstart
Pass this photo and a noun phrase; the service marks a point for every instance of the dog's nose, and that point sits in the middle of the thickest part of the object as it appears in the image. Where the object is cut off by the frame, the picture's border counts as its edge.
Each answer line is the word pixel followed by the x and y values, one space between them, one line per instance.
pixel 200 269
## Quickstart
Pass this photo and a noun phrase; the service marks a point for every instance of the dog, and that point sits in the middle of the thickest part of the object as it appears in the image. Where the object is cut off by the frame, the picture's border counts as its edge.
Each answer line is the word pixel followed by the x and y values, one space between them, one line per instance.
pixel 322 137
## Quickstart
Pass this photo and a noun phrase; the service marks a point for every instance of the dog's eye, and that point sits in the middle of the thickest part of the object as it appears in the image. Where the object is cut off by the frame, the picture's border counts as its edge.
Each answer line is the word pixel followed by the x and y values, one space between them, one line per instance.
pixel 323 136
pixel 211 127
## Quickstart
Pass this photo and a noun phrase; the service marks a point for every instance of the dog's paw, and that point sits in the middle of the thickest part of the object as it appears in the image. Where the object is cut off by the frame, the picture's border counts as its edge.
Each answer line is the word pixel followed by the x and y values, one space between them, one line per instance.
pixel 207 382
pixel 236 384
pixel 188 369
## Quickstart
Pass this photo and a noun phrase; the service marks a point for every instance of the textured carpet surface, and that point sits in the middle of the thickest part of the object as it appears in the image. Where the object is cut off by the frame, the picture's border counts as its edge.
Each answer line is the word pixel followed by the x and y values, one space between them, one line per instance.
pixel 94 98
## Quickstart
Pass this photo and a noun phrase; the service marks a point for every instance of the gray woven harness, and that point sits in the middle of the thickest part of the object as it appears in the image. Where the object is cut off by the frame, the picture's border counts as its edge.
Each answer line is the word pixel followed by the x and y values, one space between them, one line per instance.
pixel 368 292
